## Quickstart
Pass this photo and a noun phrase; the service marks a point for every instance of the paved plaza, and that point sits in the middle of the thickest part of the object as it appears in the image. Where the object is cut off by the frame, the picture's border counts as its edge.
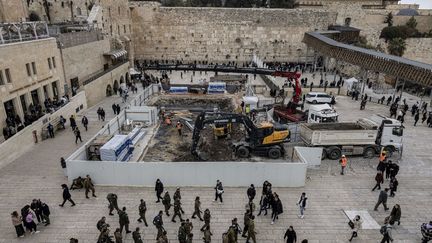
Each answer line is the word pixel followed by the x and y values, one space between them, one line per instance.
pixel 37 174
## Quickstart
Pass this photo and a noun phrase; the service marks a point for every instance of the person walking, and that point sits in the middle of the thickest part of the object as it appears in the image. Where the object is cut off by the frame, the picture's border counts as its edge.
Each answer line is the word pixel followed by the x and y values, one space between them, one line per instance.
pixel 50 128
pixel 177 210
pixel 18 224
pixel 114 108
pixel 66 196
pixel 118 236
pixel 246 221
pixel 159 189
pixel 379 180
pixel 166 201
pixel 382 198
pixel 290 235
pixel 77 135
pixel 395 214
pixel 393 186
pixel 30 224
pixel 112 200
pixel 251 230
pixel 207 235
pixel 85 122
pixel 416 118
pixel 45 213
pixel 302 204
pixel 102 114
pixel 89 186
pixel 251 192
pixel 343 161
pixel 207 217
pixel 197 209
pixel 158 223
pixel 218 191
pixel 181 235
pixel 356 226
pixel 136 236
pixel 386 231
pixel 72 122
pixel 118 109
pixel 277 208
pixel 101 224
pixel 142 212
pixel 36 207
pixel 177 196
pixel 123 220
pixel 263 204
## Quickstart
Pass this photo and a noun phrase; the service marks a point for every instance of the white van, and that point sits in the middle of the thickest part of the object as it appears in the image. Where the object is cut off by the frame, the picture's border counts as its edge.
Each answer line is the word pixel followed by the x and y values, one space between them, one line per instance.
pixel 318 97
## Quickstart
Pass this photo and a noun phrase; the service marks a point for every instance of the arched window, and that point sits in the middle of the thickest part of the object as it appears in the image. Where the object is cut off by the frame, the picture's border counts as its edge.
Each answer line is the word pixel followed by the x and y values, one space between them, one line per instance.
pixel 347 21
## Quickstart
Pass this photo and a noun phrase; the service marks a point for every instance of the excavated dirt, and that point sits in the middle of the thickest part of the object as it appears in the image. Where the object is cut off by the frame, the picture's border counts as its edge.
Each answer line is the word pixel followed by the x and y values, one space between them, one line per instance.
pixel 196 102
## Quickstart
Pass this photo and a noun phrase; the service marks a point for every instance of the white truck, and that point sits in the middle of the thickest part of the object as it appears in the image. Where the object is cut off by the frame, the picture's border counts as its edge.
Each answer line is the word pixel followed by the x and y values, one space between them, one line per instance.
pixel 322 114
pixel 365 137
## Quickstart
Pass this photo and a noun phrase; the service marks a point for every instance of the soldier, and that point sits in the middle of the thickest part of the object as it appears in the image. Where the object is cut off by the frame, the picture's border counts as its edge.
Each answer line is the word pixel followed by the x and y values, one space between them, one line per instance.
pixel 177 207
pixel 159 189
pixel 88 185
pixel 246 220
pixel 166 201
pixel 157 221
pixel 104 236
pixel 231 235
pixel 118 236
pixel 207 217
pixel 251 192
pixel 197 209
pixel 182 233
pixel 207 235
pixel 112 199
pixel 163 238
pixel 101 224
pixel 123 220
pixel 236 227
pixel 136 236
pixel 251 230
pixel 188 227
pixel 176 196
pixel 189 238
pixel 142 211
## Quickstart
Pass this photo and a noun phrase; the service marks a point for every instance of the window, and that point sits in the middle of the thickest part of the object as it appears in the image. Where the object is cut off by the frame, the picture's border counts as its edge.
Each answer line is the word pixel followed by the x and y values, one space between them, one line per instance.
pixel 28 69
pixel 118 29
pixel 109 12
pixel 1 78
pixel 54 62
pixel 124 28
pixel 49 63
pixel 397 131
pixel 347 21
pixel 8 75
pixel 34 68
pixel 119 10
pixel 111 29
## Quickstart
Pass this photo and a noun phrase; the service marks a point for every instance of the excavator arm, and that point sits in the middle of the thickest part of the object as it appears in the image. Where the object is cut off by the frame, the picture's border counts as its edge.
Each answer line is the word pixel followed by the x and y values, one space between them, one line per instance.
pixel 218 118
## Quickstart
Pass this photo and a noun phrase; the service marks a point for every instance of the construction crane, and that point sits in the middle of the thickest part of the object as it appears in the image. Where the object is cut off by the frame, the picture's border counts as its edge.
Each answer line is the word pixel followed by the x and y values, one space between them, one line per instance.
pixel 266 139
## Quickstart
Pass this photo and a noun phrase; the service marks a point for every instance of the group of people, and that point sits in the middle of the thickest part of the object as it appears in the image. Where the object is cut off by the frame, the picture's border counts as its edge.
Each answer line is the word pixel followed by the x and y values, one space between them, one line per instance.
pixel 37 210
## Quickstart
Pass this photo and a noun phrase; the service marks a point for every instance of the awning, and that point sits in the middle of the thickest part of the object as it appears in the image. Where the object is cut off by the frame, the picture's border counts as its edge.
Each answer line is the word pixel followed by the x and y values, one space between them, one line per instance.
pixel 116 54
pixel 132 71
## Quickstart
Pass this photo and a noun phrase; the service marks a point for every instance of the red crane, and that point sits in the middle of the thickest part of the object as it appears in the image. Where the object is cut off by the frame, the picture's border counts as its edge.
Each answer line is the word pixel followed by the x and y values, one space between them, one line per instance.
pixel 297 88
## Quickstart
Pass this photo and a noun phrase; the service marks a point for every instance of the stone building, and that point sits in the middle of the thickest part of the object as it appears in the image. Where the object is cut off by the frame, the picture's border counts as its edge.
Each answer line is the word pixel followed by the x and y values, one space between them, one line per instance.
pixel 30 72
pixel 13 10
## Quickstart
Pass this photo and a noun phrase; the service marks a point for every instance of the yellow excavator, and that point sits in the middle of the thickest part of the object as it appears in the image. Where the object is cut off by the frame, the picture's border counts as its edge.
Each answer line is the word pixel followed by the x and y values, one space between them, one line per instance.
pixel 266 139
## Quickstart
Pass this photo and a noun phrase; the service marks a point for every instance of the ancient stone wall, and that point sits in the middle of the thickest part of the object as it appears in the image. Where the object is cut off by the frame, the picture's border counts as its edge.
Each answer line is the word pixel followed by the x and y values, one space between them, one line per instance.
pixel 61 11
pixel 13 11
pixel 419 49
pixel 223 35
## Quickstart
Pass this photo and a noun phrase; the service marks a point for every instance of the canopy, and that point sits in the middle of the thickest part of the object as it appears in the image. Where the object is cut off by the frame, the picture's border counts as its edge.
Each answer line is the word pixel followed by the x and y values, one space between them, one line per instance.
pixel 116 53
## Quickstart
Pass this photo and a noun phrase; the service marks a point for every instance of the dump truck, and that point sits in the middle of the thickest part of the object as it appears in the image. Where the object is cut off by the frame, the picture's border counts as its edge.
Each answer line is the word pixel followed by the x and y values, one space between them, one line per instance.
pixel 365 137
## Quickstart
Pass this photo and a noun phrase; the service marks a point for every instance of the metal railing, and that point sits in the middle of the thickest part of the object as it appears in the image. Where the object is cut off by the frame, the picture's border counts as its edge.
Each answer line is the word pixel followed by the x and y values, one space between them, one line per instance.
pixel 101 73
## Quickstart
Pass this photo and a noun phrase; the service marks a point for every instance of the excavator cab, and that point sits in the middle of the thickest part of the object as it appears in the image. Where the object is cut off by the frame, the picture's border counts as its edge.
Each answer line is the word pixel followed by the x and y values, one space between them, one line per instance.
pixel 221 130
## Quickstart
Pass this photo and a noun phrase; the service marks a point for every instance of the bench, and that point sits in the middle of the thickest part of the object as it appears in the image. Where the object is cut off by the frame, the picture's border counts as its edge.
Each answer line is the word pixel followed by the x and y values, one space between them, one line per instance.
pixel 55 121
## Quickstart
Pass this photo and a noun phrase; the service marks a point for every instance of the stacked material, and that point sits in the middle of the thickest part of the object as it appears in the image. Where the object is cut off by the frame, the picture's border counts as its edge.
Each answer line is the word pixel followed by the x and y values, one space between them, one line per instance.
pixel 136 135
pixel 116 149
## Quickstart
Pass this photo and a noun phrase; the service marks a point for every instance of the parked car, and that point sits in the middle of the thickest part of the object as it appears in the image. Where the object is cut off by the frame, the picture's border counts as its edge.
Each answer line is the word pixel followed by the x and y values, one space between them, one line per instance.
pixel 318 97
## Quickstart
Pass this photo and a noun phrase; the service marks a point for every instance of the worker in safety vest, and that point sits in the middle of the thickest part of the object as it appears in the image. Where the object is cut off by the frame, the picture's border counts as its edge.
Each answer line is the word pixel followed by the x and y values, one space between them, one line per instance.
pixel 343 161
pixel 383 156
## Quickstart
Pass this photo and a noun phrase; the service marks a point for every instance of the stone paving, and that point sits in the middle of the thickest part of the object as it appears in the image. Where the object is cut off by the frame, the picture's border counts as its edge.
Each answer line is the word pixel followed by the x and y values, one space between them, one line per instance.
pixel 37 174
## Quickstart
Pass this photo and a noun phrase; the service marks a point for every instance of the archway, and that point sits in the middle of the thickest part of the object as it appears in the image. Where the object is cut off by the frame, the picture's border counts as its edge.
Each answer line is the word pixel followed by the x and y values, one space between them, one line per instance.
pixel 116 86
pixel 34 17
pixel 121 79
pixel 109 90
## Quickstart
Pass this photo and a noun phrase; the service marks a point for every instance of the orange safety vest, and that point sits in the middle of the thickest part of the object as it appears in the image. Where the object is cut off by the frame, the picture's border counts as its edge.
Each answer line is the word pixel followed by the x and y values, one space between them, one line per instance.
pixel 344 161
pixel 382 157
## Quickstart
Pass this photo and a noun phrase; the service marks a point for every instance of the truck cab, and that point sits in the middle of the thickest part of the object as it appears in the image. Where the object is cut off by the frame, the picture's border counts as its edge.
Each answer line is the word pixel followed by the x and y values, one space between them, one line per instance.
pixel 322 114
pixel 390 133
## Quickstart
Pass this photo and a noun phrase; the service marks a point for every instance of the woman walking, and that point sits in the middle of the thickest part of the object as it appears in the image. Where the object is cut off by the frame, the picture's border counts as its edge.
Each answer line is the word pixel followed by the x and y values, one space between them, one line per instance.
pixel 17 222
pixel 356 226
pixel 277 208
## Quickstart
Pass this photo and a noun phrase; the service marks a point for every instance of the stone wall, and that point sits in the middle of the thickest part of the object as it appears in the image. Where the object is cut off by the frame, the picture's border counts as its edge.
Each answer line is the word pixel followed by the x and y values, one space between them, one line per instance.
pixel 61 10
pixel 13 10
pixel 79 64
pixel 96 90
pixel 419 49
pixel 223 35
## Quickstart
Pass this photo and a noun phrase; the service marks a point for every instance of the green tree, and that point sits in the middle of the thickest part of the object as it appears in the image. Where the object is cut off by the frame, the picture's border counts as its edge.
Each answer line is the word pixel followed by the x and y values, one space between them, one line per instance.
pixel 389 19
pixel 397 47
pixel 412 23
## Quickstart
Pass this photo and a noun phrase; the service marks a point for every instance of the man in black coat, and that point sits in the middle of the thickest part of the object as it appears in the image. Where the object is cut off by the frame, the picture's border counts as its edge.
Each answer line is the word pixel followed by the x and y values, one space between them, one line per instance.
pixel 159 189
pixel 251 192
pixel 382 198
pixel 290 235
pixel 66 196
pixel 45 213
